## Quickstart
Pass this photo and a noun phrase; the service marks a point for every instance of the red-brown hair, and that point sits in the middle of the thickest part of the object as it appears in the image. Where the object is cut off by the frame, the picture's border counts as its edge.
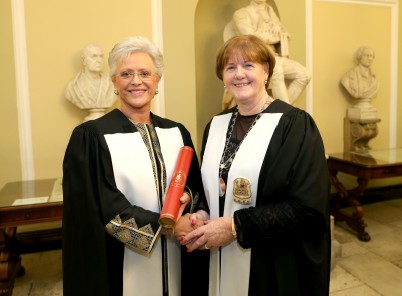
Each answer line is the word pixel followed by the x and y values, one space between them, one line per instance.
pixel 251 48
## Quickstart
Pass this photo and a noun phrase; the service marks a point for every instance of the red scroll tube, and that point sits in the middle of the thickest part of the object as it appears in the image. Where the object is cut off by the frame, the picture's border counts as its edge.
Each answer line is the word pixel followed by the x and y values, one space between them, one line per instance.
pixel 171 204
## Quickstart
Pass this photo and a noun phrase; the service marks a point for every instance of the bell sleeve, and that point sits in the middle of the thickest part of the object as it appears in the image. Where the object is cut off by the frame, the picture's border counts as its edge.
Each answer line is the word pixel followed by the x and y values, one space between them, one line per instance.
pixel 293 190
pixel 92 201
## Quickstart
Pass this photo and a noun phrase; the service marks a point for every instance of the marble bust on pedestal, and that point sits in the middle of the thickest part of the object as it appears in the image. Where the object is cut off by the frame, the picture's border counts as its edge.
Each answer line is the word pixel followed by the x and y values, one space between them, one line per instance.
pixel 362 85
pixel 91 89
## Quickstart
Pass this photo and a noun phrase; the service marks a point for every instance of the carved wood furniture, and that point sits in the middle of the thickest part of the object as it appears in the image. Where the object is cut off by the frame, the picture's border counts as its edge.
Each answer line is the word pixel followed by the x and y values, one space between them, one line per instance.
pixel 373 164
pixel 25 211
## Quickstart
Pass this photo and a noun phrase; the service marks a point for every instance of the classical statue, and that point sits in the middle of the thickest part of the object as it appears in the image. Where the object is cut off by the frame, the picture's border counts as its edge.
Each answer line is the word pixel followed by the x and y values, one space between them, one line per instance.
pixel 360 82
pixel 91 88
pixel 258 18
pixel 362 85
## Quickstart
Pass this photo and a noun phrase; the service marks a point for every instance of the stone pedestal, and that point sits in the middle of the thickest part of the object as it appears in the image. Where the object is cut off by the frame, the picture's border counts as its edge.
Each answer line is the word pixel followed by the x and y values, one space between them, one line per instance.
pixel 358 132
pixel 95 113
pixel 362 113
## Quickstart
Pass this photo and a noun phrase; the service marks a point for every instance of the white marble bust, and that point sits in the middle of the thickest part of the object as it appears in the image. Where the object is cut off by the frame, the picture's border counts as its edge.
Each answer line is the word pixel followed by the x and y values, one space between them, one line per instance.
pixel 360 81
pixel 362 85
pixel 91 88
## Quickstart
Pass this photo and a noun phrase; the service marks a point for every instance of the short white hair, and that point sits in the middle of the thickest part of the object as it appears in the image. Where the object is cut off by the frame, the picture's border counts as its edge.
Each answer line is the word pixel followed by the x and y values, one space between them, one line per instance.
pixel 126 47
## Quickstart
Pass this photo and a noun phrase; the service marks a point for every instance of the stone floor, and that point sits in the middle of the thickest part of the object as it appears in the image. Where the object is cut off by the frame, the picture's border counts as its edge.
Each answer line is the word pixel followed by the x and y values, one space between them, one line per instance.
pixel 43 276
pixel 371 268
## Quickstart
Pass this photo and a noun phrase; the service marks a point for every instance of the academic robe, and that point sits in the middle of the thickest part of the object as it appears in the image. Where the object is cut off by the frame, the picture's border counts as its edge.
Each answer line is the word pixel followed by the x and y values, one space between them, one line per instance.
pixel 283 236
pixel 111 234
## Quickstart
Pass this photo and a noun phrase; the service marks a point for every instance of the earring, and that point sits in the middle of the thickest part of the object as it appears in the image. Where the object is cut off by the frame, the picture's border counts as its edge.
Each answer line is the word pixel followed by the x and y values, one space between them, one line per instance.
pixel 156 92
pixel 266 81
pixel 224 86
pixel 116 92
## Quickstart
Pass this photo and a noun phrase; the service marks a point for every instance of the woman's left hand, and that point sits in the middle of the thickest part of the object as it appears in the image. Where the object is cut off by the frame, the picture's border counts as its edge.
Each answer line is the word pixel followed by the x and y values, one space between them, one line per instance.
pixel 189 222
pixel 215 233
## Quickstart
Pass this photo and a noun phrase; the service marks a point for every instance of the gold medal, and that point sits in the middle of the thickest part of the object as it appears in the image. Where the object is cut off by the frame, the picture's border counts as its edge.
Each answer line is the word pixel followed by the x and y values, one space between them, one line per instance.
pixel 242 191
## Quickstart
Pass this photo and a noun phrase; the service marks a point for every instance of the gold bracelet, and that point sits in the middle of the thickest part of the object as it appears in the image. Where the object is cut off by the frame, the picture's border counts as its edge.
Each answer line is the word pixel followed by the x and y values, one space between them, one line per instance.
pixel 234 233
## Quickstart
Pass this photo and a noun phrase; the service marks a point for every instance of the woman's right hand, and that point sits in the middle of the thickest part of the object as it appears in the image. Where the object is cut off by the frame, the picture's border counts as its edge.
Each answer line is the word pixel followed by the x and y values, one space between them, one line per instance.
pixel 215 233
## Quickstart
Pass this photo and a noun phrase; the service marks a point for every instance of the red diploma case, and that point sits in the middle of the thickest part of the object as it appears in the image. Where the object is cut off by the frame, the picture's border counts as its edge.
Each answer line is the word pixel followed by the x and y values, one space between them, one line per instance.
pixel 171 204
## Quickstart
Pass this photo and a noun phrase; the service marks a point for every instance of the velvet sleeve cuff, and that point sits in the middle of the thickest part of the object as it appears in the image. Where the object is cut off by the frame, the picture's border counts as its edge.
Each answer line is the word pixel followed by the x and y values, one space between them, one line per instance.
pixel 142 239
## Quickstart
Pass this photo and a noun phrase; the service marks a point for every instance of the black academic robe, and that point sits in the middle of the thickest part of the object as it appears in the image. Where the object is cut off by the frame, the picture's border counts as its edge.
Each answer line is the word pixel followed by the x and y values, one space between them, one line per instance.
pixel 93 259
pixel 288 230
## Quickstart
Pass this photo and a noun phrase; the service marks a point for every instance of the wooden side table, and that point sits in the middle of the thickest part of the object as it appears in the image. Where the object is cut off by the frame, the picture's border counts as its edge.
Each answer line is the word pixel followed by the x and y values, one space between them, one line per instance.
pixel 26 203
pixel 373 164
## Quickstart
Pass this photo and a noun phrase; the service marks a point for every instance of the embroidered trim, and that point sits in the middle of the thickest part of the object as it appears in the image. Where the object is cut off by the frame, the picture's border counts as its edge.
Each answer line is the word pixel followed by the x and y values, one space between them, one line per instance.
pixel 151 141
pixel 127 232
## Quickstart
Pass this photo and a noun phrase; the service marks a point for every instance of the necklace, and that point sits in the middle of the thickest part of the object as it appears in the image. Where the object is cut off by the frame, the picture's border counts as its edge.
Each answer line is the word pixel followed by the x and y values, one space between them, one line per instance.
pixel 227 160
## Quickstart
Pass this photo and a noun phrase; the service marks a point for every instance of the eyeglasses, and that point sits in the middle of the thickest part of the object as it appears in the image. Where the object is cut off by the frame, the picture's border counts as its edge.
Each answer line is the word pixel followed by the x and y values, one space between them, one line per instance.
pixel 128 75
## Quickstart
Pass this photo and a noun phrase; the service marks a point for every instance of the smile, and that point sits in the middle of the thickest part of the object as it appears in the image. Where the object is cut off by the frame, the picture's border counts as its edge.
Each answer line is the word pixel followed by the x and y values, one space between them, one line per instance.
pixel 137 91
pixel 241 84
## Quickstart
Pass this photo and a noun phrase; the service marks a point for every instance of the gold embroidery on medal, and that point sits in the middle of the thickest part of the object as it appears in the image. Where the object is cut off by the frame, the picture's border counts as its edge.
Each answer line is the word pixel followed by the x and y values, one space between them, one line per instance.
pixel 128 233
pixel 242 191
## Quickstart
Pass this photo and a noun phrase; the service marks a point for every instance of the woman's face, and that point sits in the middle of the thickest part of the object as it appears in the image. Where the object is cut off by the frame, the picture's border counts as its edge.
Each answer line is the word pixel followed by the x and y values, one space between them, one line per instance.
pixel 136 82
pixel 245 80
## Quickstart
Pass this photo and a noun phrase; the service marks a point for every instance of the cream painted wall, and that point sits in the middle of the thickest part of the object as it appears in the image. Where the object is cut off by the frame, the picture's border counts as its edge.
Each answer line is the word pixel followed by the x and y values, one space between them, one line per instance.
pixel 178 48
pixel 191 33
pixel 55 37
pixel 293 18
pixel 334 45
pixel 9 145
pixel 399 116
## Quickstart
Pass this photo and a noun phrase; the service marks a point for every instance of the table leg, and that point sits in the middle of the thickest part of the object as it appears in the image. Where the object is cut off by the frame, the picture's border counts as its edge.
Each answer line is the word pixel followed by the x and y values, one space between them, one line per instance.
pixel 354 221
pixel 10 262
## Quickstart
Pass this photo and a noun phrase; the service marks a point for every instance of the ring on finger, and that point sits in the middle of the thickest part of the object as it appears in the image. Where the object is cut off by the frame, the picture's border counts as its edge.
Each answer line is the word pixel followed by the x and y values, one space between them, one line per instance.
pixel 206 247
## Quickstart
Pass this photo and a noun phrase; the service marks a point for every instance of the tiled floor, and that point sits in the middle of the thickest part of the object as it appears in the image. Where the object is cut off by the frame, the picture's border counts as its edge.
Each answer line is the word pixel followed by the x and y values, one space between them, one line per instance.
pixel 43 276
pixel 371 268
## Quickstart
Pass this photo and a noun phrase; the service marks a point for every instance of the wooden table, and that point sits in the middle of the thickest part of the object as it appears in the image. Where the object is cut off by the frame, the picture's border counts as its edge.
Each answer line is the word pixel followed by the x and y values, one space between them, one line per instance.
pixel 27 203
pixel 373 164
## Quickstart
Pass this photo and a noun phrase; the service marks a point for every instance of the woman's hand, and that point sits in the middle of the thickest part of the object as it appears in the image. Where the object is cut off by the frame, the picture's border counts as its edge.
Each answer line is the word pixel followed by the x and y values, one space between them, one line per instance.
pixel 167 231
pixel 184 201
pixel 215 233
pixel 189 222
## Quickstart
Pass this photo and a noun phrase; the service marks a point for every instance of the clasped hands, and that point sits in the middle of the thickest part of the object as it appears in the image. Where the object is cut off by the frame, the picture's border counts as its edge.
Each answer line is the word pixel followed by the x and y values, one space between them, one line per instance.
pixel 197 232
pixel 213 233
